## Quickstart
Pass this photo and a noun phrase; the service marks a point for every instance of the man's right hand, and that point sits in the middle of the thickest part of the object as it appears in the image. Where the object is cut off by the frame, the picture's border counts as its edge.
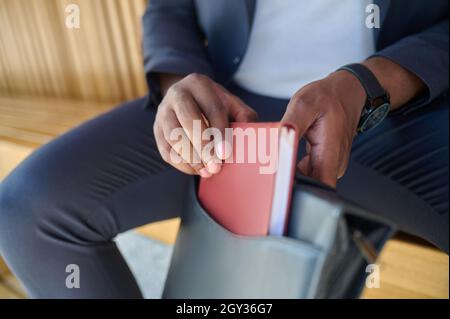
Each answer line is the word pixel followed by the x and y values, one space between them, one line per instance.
pixel 196 97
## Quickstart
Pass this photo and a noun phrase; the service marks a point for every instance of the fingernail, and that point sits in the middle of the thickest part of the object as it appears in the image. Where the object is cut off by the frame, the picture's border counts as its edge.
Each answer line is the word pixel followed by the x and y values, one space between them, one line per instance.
pixel 204 173
pixel 214 167
pixel 220 150
pixel 223 149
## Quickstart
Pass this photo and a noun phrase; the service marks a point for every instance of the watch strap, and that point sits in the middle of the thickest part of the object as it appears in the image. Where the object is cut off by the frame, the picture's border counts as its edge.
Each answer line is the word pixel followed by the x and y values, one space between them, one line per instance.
pixel 368 80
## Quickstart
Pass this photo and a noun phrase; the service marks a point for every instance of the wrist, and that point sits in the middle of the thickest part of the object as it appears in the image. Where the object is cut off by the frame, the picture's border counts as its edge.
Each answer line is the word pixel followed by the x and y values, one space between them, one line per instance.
pixel 167 80
pixel 402 85
pixel 349 92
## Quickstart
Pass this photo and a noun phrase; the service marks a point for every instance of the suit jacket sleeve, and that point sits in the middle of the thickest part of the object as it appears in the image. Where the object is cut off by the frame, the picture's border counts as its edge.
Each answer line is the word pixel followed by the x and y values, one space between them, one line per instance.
pixel 426 55
pixel 172 42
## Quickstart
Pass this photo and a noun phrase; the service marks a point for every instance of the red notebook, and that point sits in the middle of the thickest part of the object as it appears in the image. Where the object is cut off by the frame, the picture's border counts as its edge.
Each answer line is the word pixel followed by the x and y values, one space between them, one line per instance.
pixel 250 196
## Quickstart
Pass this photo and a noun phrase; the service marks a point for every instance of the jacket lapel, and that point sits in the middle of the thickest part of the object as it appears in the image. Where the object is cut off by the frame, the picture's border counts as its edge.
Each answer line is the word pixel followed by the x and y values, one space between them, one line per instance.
pixel 250 6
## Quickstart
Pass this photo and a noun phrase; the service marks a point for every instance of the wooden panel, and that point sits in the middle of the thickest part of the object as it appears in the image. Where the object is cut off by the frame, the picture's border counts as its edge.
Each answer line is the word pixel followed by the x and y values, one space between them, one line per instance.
pixel 165 231
pixel 100 61
pixel 28 123
pixel 411 271
pixel 10 285
pixel 15 154
pixel 6 293
pixel 3 267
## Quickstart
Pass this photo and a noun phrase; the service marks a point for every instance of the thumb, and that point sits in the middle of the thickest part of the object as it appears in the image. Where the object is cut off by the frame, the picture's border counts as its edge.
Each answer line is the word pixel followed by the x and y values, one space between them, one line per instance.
pixel 237 109
pixel 299 116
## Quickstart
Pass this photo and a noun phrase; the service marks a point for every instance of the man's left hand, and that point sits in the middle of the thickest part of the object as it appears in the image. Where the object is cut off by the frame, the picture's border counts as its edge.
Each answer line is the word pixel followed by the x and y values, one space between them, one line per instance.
pixel 326 114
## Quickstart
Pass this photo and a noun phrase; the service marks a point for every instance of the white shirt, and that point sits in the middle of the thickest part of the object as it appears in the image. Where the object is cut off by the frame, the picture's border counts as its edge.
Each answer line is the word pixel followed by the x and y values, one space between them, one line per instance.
pixel 294 42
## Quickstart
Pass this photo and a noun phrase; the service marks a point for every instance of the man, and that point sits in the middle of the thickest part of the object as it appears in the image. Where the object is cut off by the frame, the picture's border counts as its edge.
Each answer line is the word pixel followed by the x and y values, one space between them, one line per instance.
pixel 214 61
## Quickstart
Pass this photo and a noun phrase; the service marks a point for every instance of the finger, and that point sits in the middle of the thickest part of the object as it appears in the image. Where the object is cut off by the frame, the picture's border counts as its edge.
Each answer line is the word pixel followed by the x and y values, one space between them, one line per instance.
pixel 343 168
pixel 345 158
pixel 164 149
pixel 301 115
pixel 237 111
pixel 216 116
pixel 192 121
pixel 308 147
pixel 182 151
pixel 346 147
pixel 304 165
pixel 325 153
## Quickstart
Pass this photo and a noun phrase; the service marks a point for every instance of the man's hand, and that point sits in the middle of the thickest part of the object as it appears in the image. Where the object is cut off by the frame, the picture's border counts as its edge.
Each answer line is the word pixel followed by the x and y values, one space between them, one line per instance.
pixel 327 112
pixel 196 97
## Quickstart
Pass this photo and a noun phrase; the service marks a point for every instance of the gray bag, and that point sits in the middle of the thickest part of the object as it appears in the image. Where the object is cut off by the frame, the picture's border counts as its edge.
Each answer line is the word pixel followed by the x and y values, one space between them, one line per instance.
pixel 328 245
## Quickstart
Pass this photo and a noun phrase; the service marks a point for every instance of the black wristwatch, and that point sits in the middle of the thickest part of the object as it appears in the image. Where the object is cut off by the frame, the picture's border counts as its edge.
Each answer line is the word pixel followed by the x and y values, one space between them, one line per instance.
pixel 377 104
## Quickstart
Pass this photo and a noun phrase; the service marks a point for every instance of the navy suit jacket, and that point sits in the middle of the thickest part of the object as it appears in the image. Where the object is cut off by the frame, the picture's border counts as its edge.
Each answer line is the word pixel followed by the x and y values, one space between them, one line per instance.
pixel 211 36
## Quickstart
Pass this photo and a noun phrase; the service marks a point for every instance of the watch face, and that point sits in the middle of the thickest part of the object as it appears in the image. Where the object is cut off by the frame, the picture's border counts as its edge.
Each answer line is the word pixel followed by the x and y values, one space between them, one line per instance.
pixel 375 117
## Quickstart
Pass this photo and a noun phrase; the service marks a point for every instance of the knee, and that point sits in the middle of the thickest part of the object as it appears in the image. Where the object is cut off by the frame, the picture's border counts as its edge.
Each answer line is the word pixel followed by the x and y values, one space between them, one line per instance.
pixel 15 214
pixel 38 206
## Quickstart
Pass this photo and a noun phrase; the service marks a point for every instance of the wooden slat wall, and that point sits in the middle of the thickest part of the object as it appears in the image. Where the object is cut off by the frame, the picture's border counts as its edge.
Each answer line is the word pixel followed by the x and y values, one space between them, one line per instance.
pixel 100 61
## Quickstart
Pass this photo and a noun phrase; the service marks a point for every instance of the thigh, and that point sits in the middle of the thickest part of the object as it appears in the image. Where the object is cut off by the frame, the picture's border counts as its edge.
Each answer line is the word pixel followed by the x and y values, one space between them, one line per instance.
pixel 400 170
pixel 67 201
pixel 106 172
